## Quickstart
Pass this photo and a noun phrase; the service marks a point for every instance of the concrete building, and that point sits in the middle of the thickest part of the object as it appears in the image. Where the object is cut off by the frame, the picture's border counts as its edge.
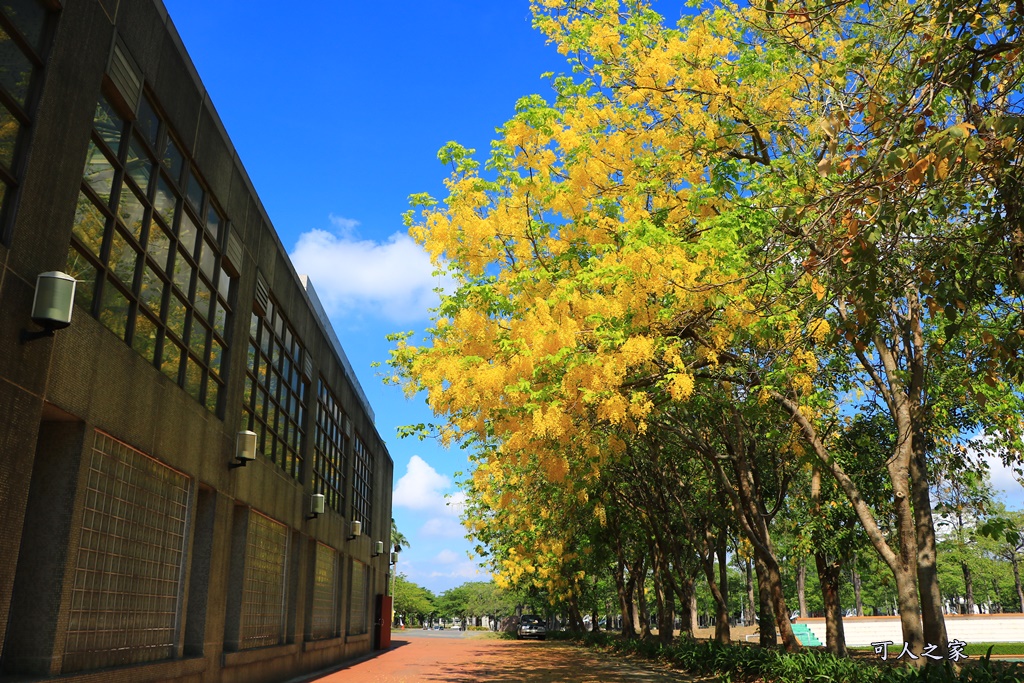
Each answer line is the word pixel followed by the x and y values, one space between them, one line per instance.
pixel 130 549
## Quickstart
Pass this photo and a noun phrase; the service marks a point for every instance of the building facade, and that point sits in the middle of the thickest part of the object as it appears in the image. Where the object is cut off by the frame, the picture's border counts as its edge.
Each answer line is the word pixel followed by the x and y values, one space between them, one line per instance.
pixel 130 547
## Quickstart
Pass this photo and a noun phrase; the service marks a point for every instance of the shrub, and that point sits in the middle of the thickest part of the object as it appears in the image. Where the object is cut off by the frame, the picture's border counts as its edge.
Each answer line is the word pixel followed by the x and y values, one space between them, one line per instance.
pixel 742 662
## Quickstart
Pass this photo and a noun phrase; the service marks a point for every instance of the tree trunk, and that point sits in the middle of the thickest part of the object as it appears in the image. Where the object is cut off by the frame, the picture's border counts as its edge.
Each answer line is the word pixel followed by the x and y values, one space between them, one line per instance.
pixel 722 634
pixel 828 577
pixel 663 597
pixel 642 614
pixel 765 614
pixel 751 602
pixel 625 591
pixel 969 587
pixel 932 618
pixel 855 579
pixel 801 587
pixel 667 617
pixel 1016 582
pixel 687 606
pixel 722 624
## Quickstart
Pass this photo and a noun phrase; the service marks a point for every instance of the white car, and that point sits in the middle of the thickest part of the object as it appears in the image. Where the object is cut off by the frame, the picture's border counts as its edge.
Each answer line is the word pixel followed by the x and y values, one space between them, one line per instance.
pixel 531 626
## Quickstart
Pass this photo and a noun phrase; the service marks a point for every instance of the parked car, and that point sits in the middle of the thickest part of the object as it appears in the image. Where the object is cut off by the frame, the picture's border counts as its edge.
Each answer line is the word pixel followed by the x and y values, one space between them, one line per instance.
pixel 531 626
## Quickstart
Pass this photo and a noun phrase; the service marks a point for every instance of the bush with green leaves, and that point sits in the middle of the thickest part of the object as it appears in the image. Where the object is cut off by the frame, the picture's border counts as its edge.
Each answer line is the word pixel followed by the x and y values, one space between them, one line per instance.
pixel 750 663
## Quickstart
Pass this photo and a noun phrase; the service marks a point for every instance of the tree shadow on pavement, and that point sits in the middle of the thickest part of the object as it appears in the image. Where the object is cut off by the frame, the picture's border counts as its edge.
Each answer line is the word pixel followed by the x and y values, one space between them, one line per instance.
pixel 539 663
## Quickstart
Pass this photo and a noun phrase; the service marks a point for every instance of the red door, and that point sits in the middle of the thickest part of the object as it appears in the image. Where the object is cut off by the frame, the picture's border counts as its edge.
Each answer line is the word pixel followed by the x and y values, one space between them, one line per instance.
pixel 383 622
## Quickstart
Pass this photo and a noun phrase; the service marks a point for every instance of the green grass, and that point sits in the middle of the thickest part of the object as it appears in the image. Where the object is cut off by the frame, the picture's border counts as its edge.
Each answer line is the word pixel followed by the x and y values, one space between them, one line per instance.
pixel 997 648
pixel 972 649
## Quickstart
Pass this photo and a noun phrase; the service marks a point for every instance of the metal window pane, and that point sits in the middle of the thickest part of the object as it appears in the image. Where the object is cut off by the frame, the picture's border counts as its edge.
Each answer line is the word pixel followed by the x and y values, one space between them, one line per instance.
pixel 29 16
pixel 165 201
pixel 263 586
pixel 99 172
pixel 108 123
pixel 80 268
pixel 131 212
pixel 151 292
pixel 357 599
pixel 213 223
pixel 325 592
pixel 139 166
pixel 15 69
pixel 9 128
pixel 195 192
pixel 188 234
pixel 123 258
pixel 89 225
pixel 173 160
pixel 145 337
pixel 172 355
pixel 128 575
pixel 148 122
pixel 114 309
pixel 158 245
pixel 202 298
pixel 194 378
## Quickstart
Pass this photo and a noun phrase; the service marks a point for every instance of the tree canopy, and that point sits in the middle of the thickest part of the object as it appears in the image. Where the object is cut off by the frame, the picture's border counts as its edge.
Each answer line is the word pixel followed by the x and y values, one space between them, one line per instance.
pixel 765 245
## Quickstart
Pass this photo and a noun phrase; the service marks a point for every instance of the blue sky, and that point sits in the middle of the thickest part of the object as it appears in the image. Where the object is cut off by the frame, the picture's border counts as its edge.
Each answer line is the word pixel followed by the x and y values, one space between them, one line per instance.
pixel 337 112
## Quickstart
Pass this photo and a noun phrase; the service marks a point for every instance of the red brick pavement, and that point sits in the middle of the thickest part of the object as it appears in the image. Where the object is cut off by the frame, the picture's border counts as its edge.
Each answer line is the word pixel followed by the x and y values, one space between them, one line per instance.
pixel 433 658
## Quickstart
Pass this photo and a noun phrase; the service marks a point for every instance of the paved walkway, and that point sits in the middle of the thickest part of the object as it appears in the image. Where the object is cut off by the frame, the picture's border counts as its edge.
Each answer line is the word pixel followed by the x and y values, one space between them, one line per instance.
pixel 468 658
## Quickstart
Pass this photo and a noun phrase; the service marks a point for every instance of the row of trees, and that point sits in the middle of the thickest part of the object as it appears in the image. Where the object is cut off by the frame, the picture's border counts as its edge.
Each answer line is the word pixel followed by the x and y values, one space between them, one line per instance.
pixel 753 274
pixel 471 602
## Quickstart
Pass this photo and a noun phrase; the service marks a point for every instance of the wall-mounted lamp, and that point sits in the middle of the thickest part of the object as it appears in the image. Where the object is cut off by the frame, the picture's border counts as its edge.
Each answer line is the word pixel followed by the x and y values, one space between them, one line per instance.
pixel 394 558
pixel 378 549
pixel 245 448
pixel 52 304
pixel 316 505
pixel 357 529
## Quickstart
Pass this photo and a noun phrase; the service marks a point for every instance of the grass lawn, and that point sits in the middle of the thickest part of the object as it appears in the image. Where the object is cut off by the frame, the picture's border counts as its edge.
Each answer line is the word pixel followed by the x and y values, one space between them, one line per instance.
pixel 976 649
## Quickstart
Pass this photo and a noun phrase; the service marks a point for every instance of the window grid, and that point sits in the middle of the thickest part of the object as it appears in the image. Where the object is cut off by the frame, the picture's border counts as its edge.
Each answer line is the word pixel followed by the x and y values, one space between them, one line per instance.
pixel 24 37
pixel 263 590
pixel 357 600
pixel 148 268
pixel 128 577
pixel 325 592
pixel 273 405
pixel 330 445
pixel 362 478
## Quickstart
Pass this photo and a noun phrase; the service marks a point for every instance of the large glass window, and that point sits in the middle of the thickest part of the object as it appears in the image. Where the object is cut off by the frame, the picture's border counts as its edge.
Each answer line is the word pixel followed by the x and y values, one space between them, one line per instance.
pixel 129 571
pixel 362 482
pixel 325 592
pixel 330 446
pixel 24 36
pixel 275 392
pixel 263 592
pixel 357 602
pixel 149 263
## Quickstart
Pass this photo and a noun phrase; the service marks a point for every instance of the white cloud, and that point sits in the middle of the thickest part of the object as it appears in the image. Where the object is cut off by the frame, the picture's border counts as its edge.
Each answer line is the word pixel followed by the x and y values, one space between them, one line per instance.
pixel 441 527
pixel 465 570
pixel 421 487
pixel 447 557
pixel 392 279
pixel 1005 481
pixel 344 225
